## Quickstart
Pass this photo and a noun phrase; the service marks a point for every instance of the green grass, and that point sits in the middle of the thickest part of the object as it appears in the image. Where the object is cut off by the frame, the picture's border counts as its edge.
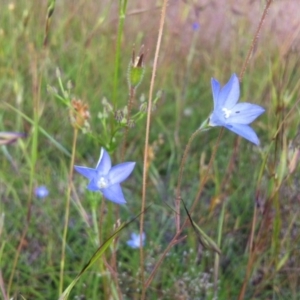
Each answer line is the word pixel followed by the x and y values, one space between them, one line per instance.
pixel 82 44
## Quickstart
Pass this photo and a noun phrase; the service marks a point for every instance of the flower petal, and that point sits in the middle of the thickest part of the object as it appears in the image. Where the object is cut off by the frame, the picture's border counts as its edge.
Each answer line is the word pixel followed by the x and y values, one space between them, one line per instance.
pixel 230 93
pixel 114 193
pixel 93 186
pixel 133 243
pixel 104 163
pixel 245 113
pixel 244 131
pixel 120 172
pixel 216 87
pixel 86 172
pixel 41 191
pixel 217 118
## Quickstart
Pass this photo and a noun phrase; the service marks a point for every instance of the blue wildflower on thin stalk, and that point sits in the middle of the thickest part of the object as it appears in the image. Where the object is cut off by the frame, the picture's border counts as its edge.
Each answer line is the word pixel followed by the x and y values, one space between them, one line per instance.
pixel 195 26
pixel 106 179
pixel 230 114
pixel 135 241
pixel 41 192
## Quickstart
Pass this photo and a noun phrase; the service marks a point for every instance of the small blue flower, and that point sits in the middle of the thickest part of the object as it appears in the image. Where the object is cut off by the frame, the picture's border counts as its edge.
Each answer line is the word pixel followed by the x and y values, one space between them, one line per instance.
pixel 230 114
pixel 195 26
pixel 41 192
pixel 107 179
pixel 135 240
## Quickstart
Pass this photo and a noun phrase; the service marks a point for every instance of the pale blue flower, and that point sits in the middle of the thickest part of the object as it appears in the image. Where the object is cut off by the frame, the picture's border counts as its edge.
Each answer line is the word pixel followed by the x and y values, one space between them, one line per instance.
pixel 135 240
pixel 230 114
pixel 41 192
pixel 195 26
pixel 107 179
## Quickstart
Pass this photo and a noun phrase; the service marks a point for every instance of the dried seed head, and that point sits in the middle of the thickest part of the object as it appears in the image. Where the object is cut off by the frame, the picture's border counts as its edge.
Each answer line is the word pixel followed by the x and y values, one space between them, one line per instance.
pixel 79 113
pixel 107 105
pixel 119 115
pixel 131 123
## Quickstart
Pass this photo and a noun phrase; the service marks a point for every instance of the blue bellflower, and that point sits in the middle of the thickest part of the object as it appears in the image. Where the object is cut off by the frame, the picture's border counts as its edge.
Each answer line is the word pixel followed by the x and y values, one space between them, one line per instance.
pixel 107 179
pixel 135 240
pixel 230 114
pixel 41 192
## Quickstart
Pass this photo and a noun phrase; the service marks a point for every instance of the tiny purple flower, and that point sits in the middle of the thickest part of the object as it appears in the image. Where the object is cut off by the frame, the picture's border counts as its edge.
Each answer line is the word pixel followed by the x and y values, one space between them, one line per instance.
pixel 107 179
pixel 195 26
pixel 230 114
pixel 41 192
pixel 135 240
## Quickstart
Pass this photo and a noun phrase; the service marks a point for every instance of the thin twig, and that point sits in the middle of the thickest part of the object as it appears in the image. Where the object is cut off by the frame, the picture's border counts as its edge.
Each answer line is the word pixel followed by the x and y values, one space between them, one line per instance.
pixel 254 41
pixel 178 193
pixel 145 163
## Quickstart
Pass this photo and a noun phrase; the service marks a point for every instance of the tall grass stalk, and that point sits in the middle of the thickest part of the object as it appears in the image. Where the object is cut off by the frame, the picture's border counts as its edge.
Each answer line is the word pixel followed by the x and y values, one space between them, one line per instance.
pixel 146 147
pixel 67 212
pixel 217 255
pixel 122 15
pixel 130 102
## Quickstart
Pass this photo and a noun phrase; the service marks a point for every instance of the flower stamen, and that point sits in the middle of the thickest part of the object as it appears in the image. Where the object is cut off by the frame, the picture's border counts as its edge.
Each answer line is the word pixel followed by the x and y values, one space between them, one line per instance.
pixel 102 183
pixel 227 112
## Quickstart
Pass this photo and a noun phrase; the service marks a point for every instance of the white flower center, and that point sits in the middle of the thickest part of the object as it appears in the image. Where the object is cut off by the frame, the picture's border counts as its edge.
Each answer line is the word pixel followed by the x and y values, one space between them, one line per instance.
pixel 102 183
pixel 227 112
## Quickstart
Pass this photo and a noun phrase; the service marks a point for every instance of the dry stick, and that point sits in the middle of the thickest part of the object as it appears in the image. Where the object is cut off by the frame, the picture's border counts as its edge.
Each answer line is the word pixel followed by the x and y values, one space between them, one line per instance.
pixel 253 44
pixel 178 194
pixel 254 41
pixel 145 169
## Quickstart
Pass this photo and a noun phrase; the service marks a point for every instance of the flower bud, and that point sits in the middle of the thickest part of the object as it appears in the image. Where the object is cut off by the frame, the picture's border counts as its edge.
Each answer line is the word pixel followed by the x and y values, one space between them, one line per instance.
pixel 136 69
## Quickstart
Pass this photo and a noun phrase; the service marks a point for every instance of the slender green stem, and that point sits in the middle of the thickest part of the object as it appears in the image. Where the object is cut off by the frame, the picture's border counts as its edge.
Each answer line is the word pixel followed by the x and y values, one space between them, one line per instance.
pixel 67 213
pixel 130 102
pixel 95 226
pixel 217 255
pixel 122 15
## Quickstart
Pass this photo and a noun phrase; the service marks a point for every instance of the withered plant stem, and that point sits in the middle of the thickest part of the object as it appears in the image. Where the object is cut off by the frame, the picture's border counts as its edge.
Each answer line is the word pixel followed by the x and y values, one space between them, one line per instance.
pixel 254 41
pixel 145 163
